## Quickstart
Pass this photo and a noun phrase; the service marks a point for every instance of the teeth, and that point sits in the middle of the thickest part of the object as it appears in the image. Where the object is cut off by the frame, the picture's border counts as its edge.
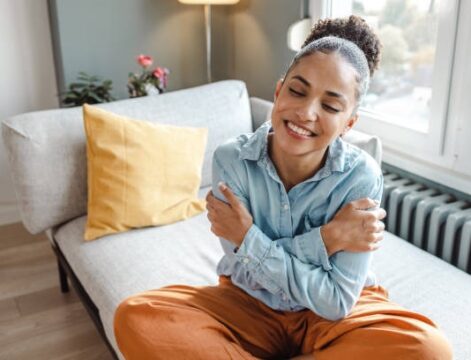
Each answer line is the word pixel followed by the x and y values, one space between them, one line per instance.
pixel 299 130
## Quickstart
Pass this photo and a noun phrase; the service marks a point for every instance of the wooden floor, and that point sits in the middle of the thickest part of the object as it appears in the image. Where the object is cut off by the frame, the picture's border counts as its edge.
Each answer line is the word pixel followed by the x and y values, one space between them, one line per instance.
pixel 37 321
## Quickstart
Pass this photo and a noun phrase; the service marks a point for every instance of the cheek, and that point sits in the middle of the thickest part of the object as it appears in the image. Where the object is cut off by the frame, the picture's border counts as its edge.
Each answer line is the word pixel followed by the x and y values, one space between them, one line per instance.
pixel 332 126
pixel 277 115
pixel 282 103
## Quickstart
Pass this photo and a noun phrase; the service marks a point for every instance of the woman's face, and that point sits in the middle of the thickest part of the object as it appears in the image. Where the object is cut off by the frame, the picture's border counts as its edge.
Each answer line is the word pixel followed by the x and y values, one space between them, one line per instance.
pixel 314 104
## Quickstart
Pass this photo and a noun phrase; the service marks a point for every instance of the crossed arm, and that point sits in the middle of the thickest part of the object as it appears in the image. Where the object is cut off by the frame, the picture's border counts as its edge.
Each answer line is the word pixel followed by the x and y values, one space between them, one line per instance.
pixel 335 284
pixel 352 229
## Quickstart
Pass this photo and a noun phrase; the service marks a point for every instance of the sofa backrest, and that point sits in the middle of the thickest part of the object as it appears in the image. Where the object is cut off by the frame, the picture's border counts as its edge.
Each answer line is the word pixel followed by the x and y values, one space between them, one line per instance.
pixel 47 149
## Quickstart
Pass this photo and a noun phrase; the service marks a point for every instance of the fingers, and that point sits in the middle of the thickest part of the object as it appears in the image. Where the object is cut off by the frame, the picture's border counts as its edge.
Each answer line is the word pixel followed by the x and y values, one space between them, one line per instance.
pixel 212 202
pixel 364 204
pixel 378 237
pixel 380 213
pixel 373 247
pixel 378 227
pixel 373 226
pixel 373 214
pixel 210 216
pixel 227 192
pixel 374 233
pixel 209 195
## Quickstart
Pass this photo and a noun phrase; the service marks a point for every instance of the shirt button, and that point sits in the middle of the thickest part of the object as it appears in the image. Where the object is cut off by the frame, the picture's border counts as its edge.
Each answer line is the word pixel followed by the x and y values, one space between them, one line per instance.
pixel 286 206
pixel 245 260
pixel 284 297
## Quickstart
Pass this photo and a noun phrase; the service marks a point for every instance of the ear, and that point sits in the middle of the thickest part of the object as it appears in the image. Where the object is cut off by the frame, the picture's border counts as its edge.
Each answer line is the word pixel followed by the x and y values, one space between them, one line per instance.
pixel 279 84
pixel 349 124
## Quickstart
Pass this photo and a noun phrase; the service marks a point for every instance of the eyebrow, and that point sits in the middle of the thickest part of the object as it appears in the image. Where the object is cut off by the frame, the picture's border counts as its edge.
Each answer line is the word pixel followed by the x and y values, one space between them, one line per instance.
pixel 303 80
pixel 328 92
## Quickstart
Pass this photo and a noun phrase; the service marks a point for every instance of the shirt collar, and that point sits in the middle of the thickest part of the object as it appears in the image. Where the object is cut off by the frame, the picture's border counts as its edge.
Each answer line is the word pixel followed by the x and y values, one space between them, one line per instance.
pixel 256 145
pixel 339 158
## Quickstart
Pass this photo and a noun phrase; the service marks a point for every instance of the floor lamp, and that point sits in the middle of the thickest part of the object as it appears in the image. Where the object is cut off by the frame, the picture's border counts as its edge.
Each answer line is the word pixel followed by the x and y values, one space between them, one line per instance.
pixel 207 20
pixel 299 31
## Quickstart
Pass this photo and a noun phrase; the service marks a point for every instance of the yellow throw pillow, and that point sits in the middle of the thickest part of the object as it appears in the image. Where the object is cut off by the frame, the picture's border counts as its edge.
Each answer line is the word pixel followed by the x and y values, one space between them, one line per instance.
pixel 140 174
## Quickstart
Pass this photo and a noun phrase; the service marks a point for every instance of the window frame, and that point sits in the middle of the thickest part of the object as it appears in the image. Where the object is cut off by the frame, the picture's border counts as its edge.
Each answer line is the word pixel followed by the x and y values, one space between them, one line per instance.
pixel 399 137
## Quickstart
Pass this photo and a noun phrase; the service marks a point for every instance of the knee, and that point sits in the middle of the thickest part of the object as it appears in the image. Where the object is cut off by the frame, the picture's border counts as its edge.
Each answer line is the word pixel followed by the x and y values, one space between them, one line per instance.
pixel 432 344
pixel 122 319
pixel 139 316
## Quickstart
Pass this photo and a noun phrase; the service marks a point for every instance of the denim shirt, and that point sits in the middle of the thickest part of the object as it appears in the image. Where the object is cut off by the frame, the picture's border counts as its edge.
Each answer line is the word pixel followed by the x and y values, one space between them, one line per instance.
pixel 282 260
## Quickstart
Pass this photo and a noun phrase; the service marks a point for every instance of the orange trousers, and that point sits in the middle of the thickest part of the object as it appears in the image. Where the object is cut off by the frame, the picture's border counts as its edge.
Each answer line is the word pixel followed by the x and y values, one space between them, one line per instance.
pixel 224 322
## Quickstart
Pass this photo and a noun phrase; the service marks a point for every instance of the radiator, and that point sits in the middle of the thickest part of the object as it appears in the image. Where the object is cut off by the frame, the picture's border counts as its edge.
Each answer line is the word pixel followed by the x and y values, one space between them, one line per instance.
pixel 431 219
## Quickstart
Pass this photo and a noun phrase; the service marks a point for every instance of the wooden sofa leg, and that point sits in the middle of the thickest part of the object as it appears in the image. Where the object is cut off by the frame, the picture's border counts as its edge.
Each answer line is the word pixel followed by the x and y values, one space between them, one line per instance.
pixel 62 278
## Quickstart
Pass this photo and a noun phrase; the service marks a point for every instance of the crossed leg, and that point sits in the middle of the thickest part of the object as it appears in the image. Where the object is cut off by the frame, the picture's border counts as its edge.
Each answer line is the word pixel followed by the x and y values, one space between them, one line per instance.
pixel 224 322
pixel 376 328
pixel 211 322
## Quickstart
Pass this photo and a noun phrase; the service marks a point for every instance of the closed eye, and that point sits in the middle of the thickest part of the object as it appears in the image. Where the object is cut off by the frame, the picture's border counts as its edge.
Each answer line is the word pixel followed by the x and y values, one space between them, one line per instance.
pixel 295 93
pixel 330 108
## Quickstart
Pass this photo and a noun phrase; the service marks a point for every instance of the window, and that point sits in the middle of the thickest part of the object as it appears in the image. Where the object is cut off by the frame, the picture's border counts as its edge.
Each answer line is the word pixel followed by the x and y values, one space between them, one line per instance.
pixel 402 88
pixel 408 98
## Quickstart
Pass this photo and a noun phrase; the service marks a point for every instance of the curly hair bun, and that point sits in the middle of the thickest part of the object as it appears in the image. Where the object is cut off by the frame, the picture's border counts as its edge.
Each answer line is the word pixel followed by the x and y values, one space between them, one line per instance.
pixel 355 29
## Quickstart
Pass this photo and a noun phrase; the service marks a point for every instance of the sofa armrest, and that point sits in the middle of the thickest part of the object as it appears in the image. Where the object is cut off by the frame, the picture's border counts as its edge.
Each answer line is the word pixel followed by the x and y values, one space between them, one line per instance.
pixel 261 110
pixel 371 144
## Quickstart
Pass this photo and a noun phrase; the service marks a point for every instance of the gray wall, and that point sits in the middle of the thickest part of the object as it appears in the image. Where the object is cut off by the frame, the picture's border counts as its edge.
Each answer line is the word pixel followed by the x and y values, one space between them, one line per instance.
pixel 261 54
pixel 102 37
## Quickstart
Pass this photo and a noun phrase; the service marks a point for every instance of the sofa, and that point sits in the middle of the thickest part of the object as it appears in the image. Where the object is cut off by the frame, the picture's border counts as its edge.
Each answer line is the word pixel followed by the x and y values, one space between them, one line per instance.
pixel 47 157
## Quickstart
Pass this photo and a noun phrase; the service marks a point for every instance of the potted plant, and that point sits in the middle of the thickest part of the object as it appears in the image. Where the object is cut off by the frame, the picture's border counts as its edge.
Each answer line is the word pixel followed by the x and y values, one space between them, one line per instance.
pixel 87 90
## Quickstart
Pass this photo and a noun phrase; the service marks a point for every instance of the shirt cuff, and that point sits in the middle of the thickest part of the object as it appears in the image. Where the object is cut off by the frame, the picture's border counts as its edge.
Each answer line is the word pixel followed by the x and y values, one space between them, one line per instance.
pixel 314 248
pixel 254 248
pixel 253 253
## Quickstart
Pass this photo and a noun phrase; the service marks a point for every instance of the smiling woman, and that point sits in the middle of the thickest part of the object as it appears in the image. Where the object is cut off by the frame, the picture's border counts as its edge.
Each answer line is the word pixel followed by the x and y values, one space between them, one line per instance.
pixel 296 210
pixel 314 104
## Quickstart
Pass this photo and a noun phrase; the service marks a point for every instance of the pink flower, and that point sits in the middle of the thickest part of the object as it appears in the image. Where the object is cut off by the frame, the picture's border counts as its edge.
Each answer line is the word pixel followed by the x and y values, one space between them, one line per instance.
pixel 161 74
pixel 144 60
pixel 158 72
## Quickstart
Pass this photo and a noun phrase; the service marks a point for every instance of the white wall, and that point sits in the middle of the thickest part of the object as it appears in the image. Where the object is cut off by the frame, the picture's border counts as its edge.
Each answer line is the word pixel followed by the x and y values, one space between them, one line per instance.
pixel 27 77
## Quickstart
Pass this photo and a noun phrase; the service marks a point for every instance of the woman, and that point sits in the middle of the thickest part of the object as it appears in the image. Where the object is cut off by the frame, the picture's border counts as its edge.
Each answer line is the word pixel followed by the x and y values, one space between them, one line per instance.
pixel 296 210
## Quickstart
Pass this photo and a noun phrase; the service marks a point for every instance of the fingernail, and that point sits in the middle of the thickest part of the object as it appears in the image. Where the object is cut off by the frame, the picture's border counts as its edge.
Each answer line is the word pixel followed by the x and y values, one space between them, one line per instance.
pixel 222 186
pixel 376 202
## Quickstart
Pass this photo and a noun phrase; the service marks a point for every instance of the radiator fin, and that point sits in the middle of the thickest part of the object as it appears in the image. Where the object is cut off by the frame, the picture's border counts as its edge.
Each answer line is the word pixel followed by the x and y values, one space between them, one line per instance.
pixel 430 219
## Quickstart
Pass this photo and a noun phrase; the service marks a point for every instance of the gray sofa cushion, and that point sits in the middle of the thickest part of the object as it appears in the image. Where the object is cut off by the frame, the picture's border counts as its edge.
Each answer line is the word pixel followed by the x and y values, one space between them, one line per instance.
pixel 424 283
pixel 120 265
pixel 47 153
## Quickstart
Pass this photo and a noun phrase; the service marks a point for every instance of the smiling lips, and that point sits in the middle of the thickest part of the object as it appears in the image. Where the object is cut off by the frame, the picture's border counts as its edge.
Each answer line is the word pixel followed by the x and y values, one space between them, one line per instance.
pixel 297 131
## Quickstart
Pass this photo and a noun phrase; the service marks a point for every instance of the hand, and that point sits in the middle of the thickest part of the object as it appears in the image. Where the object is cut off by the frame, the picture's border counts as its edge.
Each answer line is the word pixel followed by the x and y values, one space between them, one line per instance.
pixel 354 228
pixel 229 221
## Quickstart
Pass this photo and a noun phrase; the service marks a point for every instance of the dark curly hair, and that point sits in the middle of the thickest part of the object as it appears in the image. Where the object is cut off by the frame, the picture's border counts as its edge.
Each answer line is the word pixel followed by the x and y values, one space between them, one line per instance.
pixel 355 29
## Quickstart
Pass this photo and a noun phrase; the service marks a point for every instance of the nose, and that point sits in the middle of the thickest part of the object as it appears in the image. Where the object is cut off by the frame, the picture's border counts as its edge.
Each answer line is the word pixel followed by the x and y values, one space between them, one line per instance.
pixel 308 111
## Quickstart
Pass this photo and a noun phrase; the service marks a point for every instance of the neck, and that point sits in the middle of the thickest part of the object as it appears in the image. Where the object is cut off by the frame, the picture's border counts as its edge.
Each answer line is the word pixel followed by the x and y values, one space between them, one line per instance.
pixel 294 169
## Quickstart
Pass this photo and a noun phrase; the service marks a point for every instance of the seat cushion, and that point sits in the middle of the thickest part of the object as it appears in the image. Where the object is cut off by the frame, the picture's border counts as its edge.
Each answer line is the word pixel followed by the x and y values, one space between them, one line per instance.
pixel 110 269
pixel 424 283
pixel 187 253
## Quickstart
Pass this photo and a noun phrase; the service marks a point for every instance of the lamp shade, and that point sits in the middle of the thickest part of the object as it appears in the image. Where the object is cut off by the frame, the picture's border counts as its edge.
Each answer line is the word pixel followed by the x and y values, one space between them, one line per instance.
pixel 209 2
pixel 298 32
